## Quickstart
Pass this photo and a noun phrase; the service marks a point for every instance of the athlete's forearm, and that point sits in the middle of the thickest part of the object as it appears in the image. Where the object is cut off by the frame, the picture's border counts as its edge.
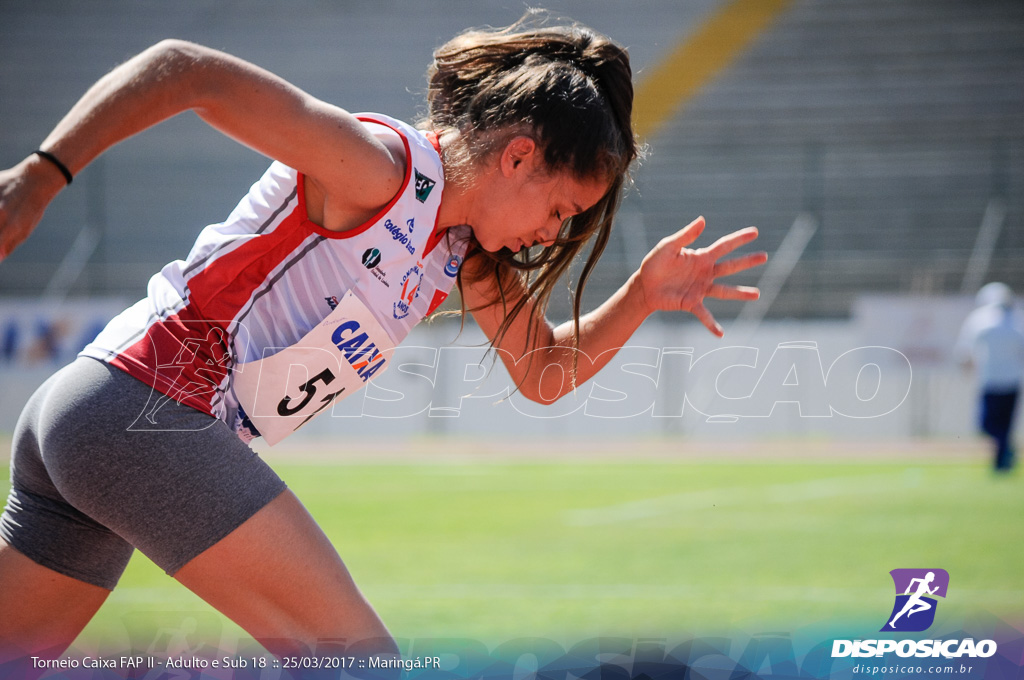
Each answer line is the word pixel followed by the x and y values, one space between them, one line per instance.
pixel 240 99
pixel 143 91
pixel 602 332
pixel 139 93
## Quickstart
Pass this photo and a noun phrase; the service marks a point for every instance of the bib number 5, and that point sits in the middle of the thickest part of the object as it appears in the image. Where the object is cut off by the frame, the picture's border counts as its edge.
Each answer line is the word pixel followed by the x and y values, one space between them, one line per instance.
pixel 286 408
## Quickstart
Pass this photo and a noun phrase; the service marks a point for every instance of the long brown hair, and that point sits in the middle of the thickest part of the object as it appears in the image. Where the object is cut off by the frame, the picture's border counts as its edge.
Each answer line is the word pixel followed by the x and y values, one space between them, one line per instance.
pixel 571 90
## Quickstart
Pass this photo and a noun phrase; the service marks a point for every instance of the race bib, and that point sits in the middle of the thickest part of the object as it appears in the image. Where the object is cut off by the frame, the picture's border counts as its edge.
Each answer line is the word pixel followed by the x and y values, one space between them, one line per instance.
pixel 282 392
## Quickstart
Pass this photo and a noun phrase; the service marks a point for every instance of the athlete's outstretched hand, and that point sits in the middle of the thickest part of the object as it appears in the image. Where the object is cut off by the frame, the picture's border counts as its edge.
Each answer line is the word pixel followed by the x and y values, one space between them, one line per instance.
pixel 25 191
pixel 676 278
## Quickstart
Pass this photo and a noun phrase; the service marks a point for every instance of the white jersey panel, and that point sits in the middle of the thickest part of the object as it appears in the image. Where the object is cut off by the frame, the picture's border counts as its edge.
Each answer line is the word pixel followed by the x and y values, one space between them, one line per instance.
pixel 263 278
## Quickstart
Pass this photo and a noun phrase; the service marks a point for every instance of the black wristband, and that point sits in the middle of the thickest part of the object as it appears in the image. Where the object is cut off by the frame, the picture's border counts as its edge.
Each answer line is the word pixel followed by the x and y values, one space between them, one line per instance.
pixel 56 161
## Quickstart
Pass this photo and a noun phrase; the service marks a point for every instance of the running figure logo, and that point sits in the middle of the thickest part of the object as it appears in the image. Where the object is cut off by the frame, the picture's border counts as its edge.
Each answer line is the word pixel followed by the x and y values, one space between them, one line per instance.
pixel 914 610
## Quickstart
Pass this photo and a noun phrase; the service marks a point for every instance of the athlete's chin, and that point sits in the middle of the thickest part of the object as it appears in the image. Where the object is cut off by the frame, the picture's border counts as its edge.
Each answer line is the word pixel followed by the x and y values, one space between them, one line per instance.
pixel 499 244
pixel 493 246
pixel 507 252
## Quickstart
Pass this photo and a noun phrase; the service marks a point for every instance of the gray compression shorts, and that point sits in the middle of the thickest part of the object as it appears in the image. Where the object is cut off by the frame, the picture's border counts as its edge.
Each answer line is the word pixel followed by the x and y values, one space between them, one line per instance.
pixel 92 478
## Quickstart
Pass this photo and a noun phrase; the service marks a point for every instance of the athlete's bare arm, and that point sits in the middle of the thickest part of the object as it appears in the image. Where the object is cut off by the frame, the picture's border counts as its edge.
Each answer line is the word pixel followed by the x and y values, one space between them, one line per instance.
pixel 241 100
pixel 672 277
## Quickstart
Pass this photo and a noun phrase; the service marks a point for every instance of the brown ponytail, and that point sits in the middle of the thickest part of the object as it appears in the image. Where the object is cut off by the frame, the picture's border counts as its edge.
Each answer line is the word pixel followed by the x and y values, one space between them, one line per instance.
pixel 570 89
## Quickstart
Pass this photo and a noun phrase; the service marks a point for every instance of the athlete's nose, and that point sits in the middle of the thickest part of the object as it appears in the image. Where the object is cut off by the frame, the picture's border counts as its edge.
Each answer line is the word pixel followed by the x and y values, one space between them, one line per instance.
pixel 545 236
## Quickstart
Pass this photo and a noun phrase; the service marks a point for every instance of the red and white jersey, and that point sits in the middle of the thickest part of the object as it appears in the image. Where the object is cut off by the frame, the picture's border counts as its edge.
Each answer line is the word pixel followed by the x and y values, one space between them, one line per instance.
pixel 259 281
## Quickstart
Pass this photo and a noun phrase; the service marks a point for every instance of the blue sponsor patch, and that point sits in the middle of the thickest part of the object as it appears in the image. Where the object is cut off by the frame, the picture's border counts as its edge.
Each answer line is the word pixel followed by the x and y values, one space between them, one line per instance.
pixel 452 268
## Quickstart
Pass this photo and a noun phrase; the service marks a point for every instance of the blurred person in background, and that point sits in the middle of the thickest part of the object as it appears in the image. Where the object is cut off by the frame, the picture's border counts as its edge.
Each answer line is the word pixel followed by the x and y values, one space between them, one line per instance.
pixel 992 340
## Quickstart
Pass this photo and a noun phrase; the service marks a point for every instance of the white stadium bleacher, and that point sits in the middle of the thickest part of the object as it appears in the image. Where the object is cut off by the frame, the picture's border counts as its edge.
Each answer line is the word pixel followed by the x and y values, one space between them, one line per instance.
pixel 893 123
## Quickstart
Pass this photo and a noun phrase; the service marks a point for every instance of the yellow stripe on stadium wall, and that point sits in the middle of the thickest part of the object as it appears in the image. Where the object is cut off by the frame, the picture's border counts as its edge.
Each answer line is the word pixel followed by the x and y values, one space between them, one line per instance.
pixel 697 60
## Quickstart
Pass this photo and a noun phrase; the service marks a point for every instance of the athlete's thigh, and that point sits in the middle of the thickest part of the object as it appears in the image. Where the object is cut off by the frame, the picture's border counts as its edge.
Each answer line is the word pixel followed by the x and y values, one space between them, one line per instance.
pixel 43 611
pixel 278 577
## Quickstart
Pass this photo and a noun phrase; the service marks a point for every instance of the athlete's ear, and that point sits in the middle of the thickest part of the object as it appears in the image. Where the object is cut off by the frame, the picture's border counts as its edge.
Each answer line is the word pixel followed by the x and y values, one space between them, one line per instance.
pixel 520 154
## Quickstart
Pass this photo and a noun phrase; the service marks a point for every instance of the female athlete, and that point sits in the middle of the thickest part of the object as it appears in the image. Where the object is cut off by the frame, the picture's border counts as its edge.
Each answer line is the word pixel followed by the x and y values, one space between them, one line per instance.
pixel 141 441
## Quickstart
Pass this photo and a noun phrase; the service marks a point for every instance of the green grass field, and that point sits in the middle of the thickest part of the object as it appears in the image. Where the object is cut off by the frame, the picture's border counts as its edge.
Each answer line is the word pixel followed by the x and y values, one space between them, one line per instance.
pixel 649 545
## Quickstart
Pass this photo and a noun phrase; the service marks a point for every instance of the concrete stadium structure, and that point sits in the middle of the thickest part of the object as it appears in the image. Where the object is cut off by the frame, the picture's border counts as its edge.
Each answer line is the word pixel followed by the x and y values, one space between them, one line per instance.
pixel 895 128
pixel 893 124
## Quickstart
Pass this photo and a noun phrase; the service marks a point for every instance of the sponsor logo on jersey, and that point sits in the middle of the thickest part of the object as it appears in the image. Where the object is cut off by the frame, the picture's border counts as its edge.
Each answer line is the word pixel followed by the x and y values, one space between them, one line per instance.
pixel 371 258
pixel 410 291
pixel 244 426
pixel 362 355
pixel 399 235
pixel 424 185
pixel 452 268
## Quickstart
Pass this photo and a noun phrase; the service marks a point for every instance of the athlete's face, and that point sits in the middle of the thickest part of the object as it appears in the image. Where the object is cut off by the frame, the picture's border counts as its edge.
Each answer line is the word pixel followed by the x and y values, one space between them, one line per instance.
pixel 524 204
